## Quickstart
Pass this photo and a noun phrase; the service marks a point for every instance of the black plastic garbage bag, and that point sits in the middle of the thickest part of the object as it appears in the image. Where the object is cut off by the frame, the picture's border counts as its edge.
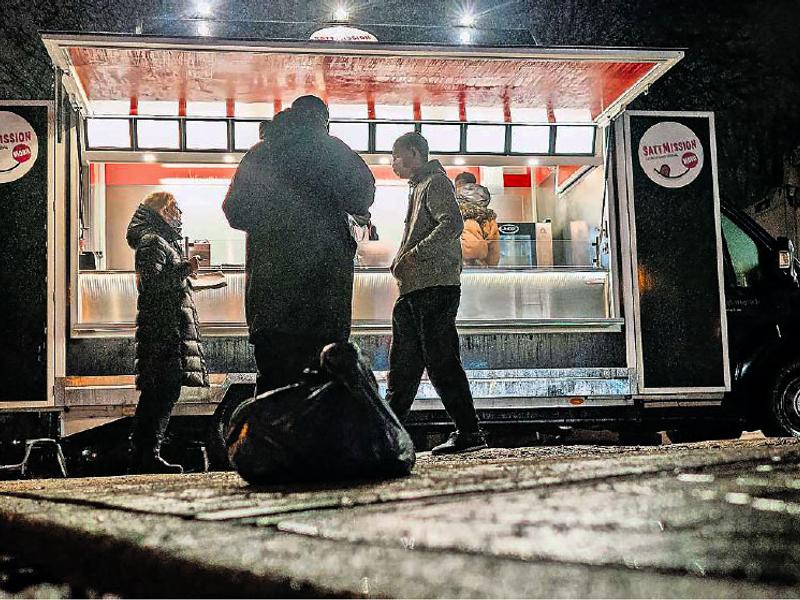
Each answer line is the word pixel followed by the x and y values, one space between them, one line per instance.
pixel 332 425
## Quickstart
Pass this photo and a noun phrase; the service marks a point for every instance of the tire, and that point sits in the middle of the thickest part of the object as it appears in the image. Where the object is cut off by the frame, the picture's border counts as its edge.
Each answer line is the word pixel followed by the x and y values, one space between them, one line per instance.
pixel 783 418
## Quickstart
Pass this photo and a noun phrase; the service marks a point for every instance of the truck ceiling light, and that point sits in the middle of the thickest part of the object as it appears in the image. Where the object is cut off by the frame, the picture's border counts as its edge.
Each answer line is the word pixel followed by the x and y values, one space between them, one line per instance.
pixel 341 13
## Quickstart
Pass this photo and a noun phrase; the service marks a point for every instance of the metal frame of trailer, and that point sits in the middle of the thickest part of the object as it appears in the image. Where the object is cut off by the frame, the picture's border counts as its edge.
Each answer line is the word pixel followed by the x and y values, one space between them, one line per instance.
pixel 591 372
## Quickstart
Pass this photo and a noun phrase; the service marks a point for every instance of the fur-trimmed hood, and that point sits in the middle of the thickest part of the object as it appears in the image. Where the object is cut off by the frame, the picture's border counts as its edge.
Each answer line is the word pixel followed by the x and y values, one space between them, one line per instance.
pixel 475 193
pixel 145 220
pixel 471 210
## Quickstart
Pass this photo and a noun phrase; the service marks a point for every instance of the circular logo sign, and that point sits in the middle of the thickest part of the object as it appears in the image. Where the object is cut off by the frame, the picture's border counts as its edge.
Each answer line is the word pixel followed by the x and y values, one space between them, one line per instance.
pixel 671 154
pixel 19 146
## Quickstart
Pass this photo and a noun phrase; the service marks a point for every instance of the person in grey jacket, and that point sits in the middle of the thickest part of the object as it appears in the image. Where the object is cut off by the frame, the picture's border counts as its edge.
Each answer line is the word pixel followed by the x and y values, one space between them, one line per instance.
pixel 428 273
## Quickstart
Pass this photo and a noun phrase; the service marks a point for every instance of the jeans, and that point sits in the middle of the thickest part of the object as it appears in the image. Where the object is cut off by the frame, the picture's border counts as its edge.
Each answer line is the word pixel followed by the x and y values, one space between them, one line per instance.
pixel 424 336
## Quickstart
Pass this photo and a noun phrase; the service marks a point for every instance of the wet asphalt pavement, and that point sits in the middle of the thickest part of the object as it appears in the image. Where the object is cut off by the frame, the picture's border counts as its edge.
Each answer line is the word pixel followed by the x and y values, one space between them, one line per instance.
pixel 715 519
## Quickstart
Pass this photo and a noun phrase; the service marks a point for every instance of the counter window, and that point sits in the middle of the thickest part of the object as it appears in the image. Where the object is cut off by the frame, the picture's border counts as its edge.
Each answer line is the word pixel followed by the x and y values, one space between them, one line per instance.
pixel 535 255
pixel 574 140
pixel 245 134
pixel 157 134
pixel 206 135
pixel 443 138
pixel 530 140
pixel 387 133
pixel 109 133
pixel 355 135
pixel 486 139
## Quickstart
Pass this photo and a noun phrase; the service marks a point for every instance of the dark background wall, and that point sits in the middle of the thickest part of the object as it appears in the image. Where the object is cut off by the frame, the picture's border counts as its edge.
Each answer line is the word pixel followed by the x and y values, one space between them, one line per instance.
pixel 742 58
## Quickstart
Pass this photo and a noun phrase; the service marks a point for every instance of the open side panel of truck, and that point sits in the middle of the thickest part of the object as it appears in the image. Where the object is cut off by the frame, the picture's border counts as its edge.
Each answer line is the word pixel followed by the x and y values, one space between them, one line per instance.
pixel 27 188
pixel 671 210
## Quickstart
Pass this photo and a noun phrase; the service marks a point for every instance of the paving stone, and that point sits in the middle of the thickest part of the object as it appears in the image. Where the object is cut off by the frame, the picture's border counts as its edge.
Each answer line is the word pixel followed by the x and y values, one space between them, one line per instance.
pixel 699 520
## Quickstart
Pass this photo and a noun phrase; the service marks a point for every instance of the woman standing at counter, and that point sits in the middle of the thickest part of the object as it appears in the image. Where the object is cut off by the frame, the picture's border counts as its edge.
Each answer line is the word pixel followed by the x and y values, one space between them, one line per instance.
pixel 169 353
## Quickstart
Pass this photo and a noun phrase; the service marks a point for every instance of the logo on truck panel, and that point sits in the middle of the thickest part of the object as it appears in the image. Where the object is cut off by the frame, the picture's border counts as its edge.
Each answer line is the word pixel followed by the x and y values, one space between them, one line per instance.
pixel 671 154
pixel 19 146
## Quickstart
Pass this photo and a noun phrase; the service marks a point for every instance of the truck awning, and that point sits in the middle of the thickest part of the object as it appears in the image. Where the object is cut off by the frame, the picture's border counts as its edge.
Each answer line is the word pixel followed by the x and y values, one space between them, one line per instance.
pixel 118 75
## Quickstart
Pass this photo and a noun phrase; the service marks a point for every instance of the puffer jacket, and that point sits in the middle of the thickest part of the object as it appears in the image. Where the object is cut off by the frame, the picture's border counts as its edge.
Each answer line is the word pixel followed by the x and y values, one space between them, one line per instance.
pixel 480 241
pixel 168 344
pixel 292 194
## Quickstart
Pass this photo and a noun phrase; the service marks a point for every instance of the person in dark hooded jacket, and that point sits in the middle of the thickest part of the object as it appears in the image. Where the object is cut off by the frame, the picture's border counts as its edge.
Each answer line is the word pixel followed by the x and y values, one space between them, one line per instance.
pixel 292 193
pixel 169 353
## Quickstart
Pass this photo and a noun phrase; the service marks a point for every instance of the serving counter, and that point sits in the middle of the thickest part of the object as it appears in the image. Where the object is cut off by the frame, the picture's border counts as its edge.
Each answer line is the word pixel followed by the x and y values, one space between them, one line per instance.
pixel 489 296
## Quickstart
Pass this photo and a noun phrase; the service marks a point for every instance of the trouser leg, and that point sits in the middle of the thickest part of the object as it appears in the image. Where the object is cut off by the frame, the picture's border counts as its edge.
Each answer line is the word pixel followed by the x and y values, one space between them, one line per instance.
pixel 152 416
pixel 281 359
pixel 405 360
pixel 436 310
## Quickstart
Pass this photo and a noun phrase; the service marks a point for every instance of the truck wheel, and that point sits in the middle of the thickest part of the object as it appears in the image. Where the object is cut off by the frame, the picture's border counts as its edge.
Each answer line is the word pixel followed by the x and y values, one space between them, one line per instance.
pixel 784 409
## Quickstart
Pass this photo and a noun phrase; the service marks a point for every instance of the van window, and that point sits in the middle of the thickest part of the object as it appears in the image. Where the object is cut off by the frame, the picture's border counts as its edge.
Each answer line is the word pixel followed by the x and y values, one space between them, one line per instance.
pixel 743 252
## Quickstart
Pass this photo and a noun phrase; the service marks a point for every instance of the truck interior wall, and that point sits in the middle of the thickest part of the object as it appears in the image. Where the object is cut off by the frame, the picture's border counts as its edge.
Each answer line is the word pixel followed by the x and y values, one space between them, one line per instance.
pixel 233 354
pixel 203 219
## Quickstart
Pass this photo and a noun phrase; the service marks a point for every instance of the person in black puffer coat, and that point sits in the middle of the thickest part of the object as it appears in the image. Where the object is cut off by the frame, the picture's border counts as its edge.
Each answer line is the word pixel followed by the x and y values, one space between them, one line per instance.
pixel 169 353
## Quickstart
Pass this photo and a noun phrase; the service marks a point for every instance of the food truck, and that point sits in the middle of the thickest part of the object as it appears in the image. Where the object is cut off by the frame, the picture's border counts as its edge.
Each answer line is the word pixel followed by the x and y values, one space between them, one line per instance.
pixel 606 309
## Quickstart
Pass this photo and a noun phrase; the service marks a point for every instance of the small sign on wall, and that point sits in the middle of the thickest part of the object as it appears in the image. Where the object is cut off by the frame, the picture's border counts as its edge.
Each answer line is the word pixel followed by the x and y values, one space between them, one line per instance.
pixel 671 154
pixel 19 146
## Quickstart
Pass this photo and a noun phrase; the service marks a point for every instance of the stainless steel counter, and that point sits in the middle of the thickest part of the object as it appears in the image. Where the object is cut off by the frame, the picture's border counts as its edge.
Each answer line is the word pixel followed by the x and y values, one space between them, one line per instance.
pixel 108 298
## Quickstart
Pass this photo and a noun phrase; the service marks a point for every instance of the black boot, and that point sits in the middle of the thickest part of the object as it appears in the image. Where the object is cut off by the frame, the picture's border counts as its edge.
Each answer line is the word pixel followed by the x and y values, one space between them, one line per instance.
pixel 462 442
pixel 149 425
pixel 146 458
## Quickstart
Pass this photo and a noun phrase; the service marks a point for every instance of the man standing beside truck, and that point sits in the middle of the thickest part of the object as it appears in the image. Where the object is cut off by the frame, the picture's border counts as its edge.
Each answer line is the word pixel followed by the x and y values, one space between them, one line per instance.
pixel 428 273
pixel 292 193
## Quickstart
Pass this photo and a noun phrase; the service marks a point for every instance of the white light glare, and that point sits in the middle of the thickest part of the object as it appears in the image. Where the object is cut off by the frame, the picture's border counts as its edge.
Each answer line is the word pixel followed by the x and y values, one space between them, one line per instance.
pixel 203 9
pixel 466 37
pixel 468 19
pixel 384 160
pixel 149 157
pixel 459 161
pixel 228 158
pixel 533 161
pixel 341 13
pixel 203 29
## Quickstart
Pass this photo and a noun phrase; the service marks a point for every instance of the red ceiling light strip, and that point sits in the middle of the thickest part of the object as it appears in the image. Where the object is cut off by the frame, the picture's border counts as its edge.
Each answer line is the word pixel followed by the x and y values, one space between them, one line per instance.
pixel 506 107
